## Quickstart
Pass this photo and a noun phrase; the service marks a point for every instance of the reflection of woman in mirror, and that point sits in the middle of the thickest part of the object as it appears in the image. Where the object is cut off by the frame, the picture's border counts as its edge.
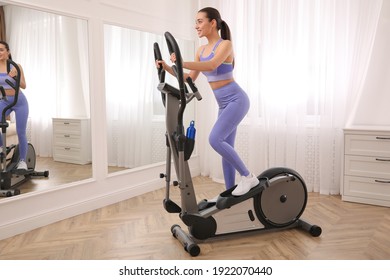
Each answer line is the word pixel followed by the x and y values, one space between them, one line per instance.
pixel 216 61
pixel 20 108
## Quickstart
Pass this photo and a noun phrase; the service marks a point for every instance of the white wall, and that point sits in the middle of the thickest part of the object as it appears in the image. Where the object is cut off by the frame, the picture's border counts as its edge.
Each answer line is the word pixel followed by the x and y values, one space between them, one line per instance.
pixel 372 107
pixel 36 209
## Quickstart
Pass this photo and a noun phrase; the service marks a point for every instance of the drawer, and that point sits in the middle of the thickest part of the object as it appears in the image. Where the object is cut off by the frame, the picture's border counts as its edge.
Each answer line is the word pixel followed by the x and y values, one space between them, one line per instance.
pixel 67 140
pixel 373 167
pixel 367 145
pixel 66 154
pixel 66 127
pixel 367 188
pixel 70 155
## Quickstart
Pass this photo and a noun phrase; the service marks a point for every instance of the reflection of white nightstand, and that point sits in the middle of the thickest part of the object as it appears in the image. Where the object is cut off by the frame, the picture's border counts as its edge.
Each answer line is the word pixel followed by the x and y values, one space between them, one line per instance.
pixel 367 166
pixel 71 140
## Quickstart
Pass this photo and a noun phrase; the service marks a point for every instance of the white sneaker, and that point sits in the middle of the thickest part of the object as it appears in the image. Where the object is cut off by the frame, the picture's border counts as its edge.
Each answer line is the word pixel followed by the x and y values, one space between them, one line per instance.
pixel 245 185
pixel 22 165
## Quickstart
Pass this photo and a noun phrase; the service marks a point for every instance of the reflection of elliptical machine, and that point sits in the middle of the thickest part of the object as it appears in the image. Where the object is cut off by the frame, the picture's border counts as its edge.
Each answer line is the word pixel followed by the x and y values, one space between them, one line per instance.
pixel 10 177
pixel 276 203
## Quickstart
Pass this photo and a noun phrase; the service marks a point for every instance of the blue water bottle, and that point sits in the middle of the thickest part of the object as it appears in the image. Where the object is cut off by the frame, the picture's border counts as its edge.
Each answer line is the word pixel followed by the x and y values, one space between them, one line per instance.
pixel 191 131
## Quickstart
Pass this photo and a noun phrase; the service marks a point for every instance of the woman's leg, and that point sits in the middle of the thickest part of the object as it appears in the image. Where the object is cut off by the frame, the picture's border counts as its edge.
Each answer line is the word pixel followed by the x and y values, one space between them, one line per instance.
pixel 3 104
pixel 229 172
pixel 234 105
pixel 21 114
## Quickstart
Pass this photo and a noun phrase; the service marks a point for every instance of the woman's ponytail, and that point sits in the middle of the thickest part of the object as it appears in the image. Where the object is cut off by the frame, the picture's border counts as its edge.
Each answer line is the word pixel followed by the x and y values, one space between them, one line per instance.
pixel 225 31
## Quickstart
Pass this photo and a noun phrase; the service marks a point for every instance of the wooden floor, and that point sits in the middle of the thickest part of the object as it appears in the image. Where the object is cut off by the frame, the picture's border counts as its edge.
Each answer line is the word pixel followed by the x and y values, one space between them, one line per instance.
pixel 139 228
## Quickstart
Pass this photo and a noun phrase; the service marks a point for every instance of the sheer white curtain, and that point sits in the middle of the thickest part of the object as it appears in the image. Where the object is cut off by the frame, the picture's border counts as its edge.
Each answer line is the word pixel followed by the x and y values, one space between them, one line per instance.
pixel 52 50
pixel 131 81
pixel 302 63
pixel 135 114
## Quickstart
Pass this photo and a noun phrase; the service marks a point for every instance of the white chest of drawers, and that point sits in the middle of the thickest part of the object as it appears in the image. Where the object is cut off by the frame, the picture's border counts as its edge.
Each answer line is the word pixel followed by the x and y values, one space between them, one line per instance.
pixel 71 140
pixel 367 166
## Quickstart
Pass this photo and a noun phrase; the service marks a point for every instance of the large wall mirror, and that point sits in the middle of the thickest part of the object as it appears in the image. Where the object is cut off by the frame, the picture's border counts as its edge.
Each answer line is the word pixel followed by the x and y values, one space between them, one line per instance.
pixel 135 113
pixel 53 51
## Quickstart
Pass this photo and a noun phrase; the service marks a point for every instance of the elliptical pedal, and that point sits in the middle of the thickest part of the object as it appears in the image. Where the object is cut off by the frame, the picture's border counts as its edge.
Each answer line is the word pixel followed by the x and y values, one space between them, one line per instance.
pixel 227 200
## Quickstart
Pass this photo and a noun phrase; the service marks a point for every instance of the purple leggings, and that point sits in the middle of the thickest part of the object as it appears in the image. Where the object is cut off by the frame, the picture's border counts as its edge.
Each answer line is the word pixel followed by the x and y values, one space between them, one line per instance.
pixel 21 115
pixel 233 106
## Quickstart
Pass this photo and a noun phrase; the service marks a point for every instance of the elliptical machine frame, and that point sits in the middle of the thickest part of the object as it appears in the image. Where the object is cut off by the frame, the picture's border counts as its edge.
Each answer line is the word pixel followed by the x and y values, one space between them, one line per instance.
pixel 10 177
pixel 276 203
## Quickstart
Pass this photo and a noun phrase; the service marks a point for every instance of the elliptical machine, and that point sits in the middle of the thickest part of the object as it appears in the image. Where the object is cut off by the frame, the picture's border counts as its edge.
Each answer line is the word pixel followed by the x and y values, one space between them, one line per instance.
pixel 276 203
pixel 10 177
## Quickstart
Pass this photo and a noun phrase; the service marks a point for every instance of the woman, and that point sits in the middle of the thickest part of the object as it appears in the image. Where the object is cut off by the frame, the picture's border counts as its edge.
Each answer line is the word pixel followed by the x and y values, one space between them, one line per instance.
pixel 216 61
pixel 20 108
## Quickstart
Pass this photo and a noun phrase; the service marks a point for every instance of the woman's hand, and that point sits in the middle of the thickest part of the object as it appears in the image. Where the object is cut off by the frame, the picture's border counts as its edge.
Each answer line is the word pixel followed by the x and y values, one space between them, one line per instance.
pixel 166 67
pixel 173 57
pixel 13 73
pixel 161 63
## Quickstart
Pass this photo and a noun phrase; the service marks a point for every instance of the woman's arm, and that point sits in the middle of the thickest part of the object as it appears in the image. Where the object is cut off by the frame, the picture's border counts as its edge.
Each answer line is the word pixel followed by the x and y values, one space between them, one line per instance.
pixel 22 79
pixel 222 53
pixel 12 73
pixel 166 67
pixel 194 73
pixel 197 66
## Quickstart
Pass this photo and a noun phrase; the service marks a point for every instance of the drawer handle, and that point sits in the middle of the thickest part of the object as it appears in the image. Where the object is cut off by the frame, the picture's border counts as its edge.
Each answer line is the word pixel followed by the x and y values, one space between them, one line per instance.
pixel 383 182
pixel 66 123
pixel 68 149
pixel 382 138
pixel 66 135
pixel 382 159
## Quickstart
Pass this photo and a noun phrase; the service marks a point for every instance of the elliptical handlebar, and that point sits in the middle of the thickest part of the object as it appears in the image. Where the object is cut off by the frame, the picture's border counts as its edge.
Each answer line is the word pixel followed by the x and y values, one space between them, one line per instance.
pixel 182 93
pixel 15 86
pixel 174 48
pixel 158 56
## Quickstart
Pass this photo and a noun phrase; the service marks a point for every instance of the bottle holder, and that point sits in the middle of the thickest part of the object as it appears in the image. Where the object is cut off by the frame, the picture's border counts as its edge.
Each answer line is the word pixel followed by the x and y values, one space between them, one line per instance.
pixel 188 148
